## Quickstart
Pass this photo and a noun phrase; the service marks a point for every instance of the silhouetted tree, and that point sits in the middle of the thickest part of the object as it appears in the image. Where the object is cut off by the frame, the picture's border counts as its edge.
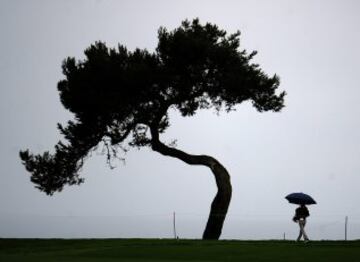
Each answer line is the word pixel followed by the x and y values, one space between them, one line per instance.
pixel 115 94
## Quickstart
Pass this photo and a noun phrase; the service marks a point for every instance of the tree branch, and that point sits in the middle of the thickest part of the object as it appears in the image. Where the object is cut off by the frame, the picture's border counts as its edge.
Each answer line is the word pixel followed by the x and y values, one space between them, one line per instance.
pixel 190 159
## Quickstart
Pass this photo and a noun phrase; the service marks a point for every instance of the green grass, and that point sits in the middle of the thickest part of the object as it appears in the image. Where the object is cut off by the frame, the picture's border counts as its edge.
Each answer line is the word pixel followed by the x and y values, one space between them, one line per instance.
pixel 175 250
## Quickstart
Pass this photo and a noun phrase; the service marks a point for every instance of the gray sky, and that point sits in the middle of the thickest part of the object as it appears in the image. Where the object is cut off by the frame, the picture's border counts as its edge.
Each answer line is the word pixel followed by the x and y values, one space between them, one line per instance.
pixel 312 146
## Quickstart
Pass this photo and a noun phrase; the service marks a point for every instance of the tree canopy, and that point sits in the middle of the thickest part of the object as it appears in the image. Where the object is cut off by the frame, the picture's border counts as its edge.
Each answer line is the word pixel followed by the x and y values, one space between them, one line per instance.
pixel 117 94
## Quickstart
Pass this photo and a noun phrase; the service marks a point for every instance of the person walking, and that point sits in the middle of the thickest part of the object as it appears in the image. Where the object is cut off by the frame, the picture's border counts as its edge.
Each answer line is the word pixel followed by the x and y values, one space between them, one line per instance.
pixel 301 213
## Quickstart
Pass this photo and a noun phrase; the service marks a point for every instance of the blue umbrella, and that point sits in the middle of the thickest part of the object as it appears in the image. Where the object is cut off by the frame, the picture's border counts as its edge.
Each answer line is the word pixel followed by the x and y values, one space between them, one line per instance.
pixel 300 198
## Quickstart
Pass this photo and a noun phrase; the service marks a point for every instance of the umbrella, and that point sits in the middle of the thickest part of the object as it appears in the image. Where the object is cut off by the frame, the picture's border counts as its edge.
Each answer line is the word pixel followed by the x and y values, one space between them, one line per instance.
pixel 300 198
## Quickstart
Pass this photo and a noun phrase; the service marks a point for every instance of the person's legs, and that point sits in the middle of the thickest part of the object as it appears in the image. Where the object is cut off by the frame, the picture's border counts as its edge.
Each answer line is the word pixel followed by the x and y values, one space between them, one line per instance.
pixel 300 232
pixel 304 233
pixel 302 223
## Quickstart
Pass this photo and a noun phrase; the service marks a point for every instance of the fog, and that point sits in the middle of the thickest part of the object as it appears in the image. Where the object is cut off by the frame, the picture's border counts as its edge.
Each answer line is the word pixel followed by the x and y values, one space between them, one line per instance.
pixel 312 146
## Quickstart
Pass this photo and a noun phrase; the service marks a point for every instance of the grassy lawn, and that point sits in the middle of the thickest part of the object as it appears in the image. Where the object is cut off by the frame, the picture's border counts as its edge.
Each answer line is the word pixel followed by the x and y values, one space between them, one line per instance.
pixel 175 250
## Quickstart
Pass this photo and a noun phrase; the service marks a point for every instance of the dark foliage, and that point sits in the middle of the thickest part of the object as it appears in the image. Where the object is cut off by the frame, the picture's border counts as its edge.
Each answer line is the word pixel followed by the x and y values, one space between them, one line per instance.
pixel 116 93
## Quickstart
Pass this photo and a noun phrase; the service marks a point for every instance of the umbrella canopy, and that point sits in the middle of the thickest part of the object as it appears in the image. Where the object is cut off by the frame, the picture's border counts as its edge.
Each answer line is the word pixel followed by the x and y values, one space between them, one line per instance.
pixel 300 198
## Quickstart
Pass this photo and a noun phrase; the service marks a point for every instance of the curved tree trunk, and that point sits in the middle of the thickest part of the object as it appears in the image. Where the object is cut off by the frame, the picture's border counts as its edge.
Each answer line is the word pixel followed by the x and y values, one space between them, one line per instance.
pixel 222 199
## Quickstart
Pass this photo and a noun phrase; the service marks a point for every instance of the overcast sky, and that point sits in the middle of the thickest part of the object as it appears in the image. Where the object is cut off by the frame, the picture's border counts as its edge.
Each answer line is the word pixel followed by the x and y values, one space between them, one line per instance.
pixel 312 146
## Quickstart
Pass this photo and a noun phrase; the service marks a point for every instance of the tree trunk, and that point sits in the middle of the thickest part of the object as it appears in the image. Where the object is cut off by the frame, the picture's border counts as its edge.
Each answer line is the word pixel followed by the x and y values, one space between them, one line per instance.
pixel 222 199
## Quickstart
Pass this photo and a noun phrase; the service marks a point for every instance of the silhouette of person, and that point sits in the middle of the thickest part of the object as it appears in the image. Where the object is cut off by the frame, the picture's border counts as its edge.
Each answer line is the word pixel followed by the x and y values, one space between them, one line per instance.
pixel 301 213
